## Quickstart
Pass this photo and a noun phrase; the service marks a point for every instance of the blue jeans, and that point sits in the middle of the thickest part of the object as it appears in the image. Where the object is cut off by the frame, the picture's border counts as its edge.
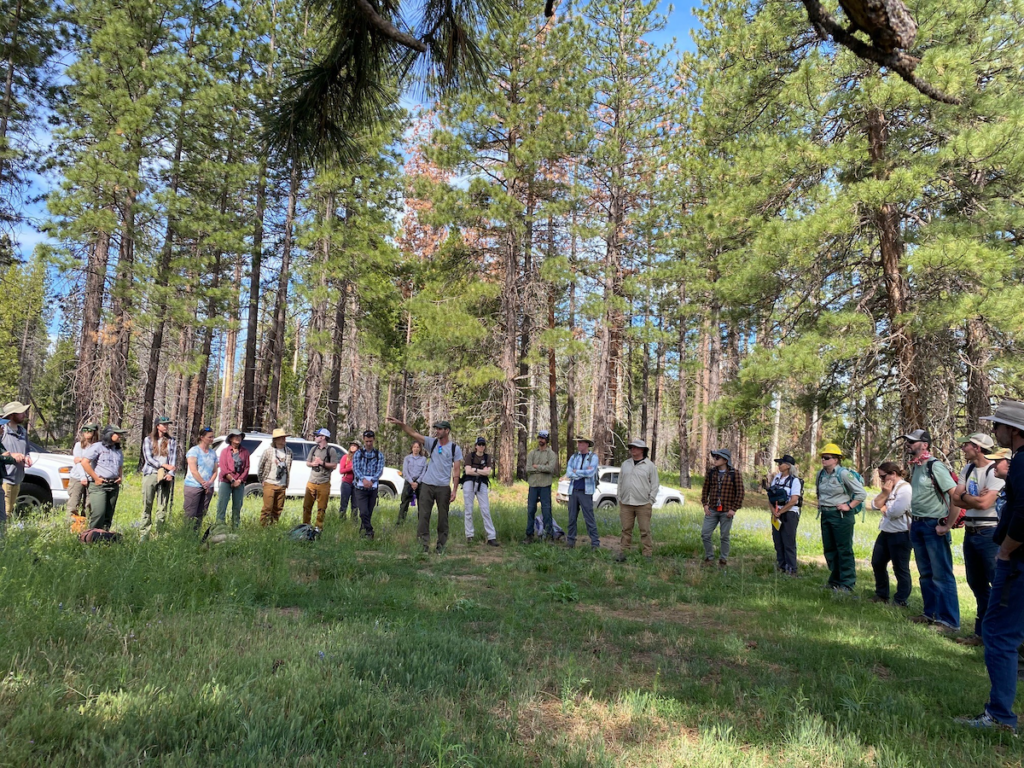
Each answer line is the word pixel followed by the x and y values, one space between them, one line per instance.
pixel 935 573
pixel 346 497
pixel 584 500
pixel 1003 632
pixel 237 495
pixel 543 495
pixel 980 562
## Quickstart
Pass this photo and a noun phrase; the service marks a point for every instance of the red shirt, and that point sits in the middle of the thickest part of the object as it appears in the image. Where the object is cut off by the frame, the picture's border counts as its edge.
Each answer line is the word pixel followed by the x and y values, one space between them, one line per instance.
pixel 345 468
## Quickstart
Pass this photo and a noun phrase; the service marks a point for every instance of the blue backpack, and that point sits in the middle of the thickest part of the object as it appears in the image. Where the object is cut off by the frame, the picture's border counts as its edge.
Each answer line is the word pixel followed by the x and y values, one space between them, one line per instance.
pixel 842 471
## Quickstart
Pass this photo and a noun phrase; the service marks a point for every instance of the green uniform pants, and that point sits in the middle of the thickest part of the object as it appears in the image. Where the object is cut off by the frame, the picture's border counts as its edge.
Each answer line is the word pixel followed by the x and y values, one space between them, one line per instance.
pixel 103 498
pixel 837 541
pixel 160 493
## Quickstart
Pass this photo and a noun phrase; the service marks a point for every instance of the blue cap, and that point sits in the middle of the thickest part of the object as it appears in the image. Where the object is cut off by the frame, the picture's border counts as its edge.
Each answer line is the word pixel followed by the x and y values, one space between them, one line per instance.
pixel 323 432
pixel 4 421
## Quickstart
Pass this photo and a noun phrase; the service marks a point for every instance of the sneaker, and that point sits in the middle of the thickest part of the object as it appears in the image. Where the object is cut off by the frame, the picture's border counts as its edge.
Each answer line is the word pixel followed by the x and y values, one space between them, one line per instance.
pixel 900 603
pixel 971 640
pixel 493 543
pixel 943 629
pixel 877 599
pixel 620 558
pixel 529 540
pixel 469 541
pixel 922 619
pixel 985 720
pixel 438 550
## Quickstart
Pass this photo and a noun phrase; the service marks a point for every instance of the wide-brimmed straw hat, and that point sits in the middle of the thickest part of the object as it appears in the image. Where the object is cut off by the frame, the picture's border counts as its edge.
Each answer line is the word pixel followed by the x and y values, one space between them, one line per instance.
pixel 278 433
pixel 14 407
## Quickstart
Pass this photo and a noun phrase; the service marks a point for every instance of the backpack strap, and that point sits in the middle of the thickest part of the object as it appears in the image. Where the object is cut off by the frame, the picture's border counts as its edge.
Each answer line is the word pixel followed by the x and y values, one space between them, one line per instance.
pixel 935 483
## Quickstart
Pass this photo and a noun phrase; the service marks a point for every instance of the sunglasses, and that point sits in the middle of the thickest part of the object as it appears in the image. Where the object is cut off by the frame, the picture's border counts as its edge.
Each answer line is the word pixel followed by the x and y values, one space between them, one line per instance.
pixel 883 475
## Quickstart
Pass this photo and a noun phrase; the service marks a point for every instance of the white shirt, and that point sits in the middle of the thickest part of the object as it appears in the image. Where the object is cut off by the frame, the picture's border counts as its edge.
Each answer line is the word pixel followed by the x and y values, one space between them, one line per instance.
pixel 795 488
pixel 897 509
pixel 78 471
pixel 979 480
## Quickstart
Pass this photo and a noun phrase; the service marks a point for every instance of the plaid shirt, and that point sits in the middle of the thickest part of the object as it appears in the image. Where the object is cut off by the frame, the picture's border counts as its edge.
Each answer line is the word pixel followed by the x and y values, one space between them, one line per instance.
pixel 367 464
pixel 732 490
pixel 150 466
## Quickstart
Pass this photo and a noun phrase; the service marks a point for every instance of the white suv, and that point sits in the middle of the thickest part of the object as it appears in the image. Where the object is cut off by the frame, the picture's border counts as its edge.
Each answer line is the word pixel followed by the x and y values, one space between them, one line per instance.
pixel 46 481
pixel 607 489
pixel 390 486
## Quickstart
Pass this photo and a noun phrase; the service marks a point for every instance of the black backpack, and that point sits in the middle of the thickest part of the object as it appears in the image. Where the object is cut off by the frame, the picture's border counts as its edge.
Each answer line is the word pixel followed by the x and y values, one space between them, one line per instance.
pixel 303 532
pixel 779 493
pixel 98 536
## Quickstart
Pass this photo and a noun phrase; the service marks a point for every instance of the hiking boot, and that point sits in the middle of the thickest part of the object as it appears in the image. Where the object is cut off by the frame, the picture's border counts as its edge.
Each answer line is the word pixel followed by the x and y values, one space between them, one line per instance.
pixel 438 550
pixel 722 562
pixel 922 619
pixel 620 558
pixel 985 720
pixel 877 599
pixel 529 540
pixel 571 545
pixel 493 543
pixel 469 541
pixel 900 603
pixel 707 561
pixel 943 629
pixel 971 640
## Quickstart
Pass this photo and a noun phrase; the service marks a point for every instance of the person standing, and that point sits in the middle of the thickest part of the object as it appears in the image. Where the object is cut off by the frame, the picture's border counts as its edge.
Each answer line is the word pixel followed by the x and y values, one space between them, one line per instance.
pixel 930 504
pixel 15 442
pixel 159 460
pixel 581 470
pixel 893 542
pixel 1003 627
pixel 475 481
pixel 200 477
pixel 638 490
pixel 541 470
pixel 273 472
pixel 976 493
pixel 6 460
pixel 347 478
pixel 440 481
pixel 367 467
pixel 234 470
pixel 839 493
pixel 413 467
pixel 721 497
pixel 787 513
pixel 78 485
pixel 321 461
pixel 104 464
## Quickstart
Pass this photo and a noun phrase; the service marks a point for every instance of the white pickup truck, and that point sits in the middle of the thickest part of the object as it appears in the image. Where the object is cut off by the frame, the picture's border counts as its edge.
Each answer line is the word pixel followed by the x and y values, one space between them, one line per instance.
pixel 46 481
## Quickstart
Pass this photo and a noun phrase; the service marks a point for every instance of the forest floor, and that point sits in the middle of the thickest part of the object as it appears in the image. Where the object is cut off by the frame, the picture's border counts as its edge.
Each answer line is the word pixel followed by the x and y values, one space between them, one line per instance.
pixel 267 651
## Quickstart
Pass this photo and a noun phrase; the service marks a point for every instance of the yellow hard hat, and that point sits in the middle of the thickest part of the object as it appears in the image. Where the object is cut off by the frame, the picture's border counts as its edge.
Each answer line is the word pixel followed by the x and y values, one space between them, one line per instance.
pixel 832 449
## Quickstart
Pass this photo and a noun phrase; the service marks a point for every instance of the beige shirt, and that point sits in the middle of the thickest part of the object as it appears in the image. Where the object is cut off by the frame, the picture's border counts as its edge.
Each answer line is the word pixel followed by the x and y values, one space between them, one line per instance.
pixel 638 482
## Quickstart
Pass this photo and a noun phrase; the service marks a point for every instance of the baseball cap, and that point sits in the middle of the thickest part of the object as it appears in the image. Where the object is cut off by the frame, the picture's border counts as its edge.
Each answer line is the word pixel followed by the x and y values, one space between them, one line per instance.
pixel 481 441
pixel 369 433
pixel 980 439
pixel 323 433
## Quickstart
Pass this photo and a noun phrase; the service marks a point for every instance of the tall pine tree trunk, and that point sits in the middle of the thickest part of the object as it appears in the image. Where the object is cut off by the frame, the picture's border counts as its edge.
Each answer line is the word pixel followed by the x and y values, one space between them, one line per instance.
pixel 508 361
pixel 228 402
pixel 337 348
pixel 121 308
pixel 250 417
pixel 281 303
pixel 978 353
pixel 92 308
pixel 317 325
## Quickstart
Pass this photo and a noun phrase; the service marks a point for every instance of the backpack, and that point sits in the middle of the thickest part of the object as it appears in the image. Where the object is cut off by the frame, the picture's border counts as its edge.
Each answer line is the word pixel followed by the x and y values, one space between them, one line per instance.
pixel 303 532
pixel 778 493
pixel 98 536
pixel 218 533
pixel 856 475
pixel 961 517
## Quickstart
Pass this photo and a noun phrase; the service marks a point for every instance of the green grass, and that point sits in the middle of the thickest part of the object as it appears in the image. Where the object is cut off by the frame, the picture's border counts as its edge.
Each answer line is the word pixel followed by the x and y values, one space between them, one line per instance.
pixel 271 652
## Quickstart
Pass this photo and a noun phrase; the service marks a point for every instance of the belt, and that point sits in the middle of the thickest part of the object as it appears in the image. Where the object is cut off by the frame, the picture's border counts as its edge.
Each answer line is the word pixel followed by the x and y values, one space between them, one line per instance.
pixel 924 519
pixel 968 528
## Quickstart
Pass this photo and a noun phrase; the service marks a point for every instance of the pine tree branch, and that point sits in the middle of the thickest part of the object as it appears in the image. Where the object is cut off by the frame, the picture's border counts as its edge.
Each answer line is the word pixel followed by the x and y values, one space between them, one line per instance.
pixel 901 63
pixel 388 29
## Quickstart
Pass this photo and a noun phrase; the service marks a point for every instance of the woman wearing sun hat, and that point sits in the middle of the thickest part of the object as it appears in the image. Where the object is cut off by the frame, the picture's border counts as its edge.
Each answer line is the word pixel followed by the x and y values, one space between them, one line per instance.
pixel 15 443
pixel 274 470
pixel 234 469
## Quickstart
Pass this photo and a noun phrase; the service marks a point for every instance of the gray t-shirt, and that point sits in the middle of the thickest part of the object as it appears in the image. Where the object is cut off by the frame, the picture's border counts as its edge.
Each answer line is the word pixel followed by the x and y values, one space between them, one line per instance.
pixel 440 460
pixel 106 462
pixel 15 441
pixel 320 475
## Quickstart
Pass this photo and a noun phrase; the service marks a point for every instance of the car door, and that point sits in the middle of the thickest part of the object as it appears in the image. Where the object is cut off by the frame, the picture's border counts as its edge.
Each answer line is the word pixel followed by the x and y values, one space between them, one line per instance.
pixel 607 485
pixel 299 475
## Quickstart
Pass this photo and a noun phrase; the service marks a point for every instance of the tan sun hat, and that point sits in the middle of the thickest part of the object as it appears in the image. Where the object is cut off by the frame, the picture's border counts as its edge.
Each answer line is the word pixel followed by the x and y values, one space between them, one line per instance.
pixel 14 407
pixel 999 454
pixel 279 433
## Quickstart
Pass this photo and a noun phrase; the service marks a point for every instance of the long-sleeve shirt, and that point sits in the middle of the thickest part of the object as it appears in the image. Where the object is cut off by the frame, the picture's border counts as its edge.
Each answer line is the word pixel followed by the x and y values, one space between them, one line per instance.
pixel 638 482
pixel 547 467
pixel 897 509
pixel 723 489
pixel 1011 522
pixel 367 465
pixel 228 473
pixel 583 467
pixel 151 462
pixel 15 440
pixel 345 468
pixel 839 487
pixel 413 467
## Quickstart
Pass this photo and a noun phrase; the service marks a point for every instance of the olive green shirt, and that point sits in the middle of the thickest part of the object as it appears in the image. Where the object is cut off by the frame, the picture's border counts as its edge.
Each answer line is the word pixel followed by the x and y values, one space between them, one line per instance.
pixel 925 501
pixel 547 467
pixel 840 487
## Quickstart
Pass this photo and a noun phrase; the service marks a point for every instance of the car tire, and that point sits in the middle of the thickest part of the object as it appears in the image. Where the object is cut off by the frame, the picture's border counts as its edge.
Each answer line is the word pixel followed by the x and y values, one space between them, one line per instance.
pixel 32 498
pixel 386 492
pixel 673 503
pixel 253 491
pixel 606 504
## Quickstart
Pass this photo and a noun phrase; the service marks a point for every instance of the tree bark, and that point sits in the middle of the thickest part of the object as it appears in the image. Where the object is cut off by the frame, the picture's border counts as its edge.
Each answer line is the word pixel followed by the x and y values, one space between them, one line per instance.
pixel 228 402
pixel 249 411
pixel 121 308
pixel 978 352
pixel 92 308
pixel 281 304
pixel 317 326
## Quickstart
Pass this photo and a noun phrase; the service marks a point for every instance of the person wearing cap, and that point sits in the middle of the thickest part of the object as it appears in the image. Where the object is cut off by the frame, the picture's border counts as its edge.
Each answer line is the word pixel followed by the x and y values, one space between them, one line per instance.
pixel 103 462
pixel 721 497
pixel 367 466
pixel 347 480
pixel 1003 629
pixel 321 461
pixel 637 491
pixel 893 541
pixel 78 485
pixel 413 467
pixel 581 470
pixel 976 493
pixel 787 513
pixel 200 477
pixel 475 479
pixel 839 493
pixel 234 471
pixel 273 471
pixel 440 481
pixel 541 470
pixel 15 443
pixel 932 483
pixel 159 460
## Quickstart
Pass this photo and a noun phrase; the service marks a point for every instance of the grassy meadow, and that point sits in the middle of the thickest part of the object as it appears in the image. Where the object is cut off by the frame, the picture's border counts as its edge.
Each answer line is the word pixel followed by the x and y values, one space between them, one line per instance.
pixel 344 652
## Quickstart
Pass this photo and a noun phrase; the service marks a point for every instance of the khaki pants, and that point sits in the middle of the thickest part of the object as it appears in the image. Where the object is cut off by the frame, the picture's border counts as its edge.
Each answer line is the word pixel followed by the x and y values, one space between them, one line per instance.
pixel 78 497
pixel 320 493
pixel 154 491
pixel 273 503
pixel 641 515
pixel 11 498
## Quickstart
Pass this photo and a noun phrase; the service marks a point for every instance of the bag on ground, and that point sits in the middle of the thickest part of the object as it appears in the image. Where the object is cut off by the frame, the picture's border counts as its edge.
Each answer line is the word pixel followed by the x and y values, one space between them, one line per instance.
pixel 303 532
pixel 98 536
